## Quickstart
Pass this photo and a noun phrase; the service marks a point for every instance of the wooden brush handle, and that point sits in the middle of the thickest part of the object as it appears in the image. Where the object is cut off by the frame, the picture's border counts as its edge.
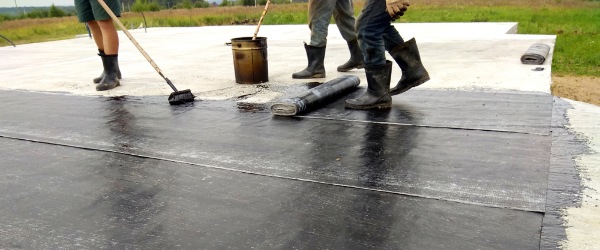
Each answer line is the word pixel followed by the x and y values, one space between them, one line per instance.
pixel 261 19
pixel 137 45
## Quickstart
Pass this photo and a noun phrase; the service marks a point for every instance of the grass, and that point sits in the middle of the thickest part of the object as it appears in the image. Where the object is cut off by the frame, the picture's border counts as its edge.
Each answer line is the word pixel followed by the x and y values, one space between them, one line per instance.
pixel 576 60
pixel 35 30
pixel 577 29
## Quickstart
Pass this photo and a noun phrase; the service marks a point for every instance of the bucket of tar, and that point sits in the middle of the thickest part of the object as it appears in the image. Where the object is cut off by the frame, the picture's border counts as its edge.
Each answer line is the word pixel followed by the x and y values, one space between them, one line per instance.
pixel 250 60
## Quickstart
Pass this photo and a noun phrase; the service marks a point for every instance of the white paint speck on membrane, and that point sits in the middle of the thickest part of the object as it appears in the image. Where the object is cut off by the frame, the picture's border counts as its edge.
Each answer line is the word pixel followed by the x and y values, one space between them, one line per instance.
pixel 583 222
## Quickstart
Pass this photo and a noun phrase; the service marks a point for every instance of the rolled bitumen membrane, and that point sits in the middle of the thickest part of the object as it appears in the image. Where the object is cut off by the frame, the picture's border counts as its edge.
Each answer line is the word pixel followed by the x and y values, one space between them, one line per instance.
pixel 322 94
pixel 536 54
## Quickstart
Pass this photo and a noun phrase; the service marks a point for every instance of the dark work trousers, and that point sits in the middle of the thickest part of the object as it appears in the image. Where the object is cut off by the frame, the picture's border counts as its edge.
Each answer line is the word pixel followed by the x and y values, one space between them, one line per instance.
pixel 319 16
pixel 376 34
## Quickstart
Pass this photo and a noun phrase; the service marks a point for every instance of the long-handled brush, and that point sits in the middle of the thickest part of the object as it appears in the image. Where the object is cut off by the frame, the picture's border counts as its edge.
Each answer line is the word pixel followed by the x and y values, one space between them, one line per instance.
pixel 177 97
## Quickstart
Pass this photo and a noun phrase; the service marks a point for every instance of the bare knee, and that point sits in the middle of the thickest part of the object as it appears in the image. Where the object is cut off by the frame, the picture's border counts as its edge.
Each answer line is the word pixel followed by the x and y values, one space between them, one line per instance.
pixel 106 24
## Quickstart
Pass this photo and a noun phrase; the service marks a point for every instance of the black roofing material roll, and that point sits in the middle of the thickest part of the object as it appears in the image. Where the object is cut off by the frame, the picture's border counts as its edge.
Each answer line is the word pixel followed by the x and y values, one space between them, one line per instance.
pixel 315 97
pixel 536 54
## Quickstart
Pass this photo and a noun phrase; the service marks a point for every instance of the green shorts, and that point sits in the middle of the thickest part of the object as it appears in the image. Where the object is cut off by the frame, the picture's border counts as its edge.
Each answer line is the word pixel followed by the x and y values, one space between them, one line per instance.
pixel 90 10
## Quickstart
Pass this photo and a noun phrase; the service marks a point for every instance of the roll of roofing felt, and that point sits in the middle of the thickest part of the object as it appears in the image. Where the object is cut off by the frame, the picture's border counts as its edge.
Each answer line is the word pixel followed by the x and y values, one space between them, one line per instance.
pixel 315 97
pixel 536 54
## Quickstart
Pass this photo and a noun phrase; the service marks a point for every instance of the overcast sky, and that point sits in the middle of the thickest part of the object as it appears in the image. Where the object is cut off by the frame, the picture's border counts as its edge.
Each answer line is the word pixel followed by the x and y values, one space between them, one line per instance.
pixel 36 3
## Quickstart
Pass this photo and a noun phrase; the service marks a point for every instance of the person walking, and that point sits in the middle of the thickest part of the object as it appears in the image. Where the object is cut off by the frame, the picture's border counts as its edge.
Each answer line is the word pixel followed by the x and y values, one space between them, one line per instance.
pixel 376 35
pixel 105 36
pixel 319 15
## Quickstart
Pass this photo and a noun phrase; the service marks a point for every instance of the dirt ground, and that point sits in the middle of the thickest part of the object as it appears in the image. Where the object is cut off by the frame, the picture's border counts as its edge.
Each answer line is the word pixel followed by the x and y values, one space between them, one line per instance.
pixel 579 88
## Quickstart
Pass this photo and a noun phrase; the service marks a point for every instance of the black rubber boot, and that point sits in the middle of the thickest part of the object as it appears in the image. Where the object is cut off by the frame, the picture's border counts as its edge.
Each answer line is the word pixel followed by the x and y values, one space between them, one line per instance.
pixel 378 87
pixel 98 79
pixel 315 68
pixel 413 73
pixel 357 61
pixel 110 79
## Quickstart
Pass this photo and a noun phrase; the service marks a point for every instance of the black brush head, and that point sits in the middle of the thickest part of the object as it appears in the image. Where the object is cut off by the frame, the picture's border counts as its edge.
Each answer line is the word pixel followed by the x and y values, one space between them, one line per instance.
pixel 181 97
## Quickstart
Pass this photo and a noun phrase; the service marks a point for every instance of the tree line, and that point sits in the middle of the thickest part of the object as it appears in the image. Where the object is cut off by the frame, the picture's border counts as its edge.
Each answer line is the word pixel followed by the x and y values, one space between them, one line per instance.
pixel 130 6
pixel 156 5
pixel 36 12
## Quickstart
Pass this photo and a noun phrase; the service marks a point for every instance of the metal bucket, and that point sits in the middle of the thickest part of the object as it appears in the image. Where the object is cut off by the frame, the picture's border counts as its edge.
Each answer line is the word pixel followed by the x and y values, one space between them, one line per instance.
pixel 250 60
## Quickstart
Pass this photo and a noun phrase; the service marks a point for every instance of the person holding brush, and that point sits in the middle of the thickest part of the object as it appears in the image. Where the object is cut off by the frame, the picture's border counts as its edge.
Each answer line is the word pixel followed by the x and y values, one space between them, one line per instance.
pixel 106 38
pixel 376 35
pixel 319 15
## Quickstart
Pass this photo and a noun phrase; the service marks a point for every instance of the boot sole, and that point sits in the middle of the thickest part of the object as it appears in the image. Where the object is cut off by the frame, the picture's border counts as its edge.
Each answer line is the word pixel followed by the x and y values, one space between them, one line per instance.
pixel 309 77
pixel 384 105
pixel 104 89
pixel 99 79
pixel 417 83
pixel 348 69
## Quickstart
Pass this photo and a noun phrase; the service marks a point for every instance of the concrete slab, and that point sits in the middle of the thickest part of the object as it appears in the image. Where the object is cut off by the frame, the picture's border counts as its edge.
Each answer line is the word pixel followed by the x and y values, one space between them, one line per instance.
pixel 476 64
pixel 458 56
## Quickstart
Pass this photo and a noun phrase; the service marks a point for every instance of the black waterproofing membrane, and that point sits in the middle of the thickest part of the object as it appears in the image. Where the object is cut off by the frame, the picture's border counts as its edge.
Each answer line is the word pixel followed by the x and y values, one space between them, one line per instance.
pixel 441 169
pixel 315 97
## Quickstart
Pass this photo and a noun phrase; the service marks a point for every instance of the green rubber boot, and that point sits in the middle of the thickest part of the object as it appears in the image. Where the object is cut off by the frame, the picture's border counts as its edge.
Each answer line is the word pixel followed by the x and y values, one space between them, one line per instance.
pixel 316 67
pixel 378 87
pixel 110 79
pixel 356 61
pixel 98 79
pixel 413 72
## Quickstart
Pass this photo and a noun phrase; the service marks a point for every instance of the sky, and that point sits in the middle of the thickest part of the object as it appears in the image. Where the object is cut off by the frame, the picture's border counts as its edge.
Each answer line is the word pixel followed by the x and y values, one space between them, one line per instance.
pixel 35 3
